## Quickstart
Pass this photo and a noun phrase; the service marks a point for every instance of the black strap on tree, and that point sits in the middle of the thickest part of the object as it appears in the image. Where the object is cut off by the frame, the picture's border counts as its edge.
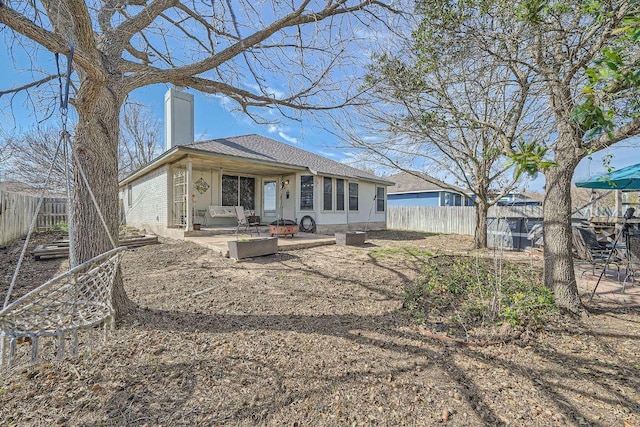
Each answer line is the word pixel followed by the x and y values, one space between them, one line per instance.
pixel 65 139
pixel 64 95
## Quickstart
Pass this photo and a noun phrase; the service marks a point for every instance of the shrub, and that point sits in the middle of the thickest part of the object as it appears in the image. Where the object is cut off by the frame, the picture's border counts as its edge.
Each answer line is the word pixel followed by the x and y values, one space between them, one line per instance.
pixel 61 226
pixel 472 292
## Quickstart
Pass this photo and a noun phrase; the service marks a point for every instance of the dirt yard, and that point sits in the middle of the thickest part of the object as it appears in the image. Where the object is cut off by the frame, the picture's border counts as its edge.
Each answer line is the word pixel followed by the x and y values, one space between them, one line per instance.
pixel 317 337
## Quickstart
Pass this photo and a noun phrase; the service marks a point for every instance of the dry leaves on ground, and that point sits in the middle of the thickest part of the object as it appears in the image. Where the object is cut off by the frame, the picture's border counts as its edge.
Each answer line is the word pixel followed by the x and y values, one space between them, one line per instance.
pixel 318 337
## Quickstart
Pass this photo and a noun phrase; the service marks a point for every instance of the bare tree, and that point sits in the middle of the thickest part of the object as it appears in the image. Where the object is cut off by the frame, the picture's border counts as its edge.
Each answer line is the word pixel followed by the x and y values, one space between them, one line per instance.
pixel 139 140
pixel 566 46
pixel 35 152
pixel 236 49
pixel 448 109
pixel 6 152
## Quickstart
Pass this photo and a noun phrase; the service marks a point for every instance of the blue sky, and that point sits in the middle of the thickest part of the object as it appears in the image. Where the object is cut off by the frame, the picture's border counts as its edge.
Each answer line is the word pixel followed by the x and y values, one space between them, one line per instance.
pixel 214 118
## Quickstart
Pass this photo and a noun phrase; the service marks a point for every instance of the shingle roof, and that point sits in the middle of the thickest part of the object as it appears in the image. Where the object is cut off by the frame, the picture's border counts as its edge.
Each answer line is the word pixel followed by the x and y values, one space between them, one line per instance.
pixel 258 147
pixel 414 182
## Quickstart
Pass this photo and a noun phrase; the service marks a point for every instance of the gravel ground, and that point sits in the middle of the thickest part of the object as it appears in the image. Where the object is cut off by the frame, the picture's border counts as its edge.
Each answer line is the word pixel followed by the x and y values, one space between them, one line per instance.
pixel 317 337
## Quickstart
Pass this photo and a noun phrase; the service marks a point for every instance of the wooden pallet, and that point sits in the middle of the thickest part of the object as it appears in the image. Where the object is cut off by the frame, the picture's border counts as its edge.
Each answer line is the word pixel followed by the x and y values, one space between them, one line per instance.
pixel 60 248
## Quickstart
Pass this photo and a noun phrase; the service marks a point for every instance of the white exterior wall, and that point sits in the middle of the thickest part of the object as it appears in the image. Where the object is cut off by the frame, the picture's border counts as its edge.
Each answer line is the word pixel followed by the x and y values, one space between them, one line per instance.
pixel 334 220
pixel 178 118
pixel 149 202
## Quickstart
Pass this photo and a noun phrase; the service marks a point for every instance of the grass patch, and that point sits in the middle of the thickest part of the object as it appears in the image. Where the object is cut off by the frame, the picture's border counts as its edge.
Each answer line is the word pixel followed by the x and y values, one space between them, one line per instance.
pixel 463 293
pixel 61 226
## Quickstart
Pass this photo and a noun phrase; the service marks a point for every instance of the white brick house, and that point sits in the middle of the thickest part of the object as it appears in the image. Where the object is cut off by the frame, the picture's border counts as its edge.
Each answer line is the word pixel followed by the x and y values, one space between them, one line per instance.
pixel 272 179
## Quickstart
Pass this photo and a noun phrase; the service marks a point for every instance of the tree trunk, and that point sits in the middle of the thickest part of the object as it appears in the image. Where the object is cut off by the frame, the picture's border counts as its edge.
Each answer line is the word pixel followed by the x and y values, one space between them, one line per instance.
pixel 559 274
pixel 95 145
pixel 480 232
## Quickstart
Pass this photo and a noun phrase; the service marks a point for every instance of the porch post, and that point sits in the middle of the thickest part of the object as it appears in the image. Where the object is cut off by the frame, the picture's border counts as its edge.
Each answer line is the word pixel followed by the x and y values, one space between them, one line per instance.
pixel 189 224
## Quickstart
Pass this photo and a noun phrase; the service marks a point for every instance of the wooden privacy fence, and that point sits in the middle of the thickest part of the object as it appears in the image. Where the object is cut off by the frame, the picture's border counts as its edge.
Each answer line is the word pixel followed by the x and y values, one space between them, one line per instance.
pixel 52 213
pixel 432 219
pixel 17 210
pixel 450 219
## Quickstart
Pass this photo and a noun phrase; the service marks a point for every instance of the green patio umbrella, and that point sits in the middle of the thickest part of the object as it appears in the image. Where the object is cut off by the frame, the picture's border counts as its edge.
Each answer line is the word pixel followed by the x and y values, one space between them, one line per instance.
pixel 627 178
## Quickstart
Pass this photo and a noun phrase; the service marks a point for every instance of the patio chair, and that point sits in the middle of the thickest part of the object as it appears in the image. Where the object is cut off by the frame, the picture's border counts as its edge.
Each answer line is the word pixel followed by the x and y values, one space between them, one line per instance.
pixel 244 222
pixel 593 253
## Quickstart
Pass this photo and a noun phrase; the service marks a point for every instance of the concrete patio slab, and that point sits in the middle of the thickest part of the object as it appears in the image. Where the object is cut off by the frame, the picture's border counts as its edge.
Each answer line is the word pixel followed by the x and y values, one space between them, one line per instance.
pixel 609 290
pixel 216 239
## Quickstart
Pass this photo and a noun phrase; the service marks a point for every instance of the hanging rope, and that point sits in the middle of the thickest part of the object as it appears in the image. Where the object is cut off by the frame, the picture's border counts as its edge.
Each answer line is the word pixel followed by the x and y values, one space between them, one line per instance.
pixel 32 226
pixel 64 102
pixel 66 137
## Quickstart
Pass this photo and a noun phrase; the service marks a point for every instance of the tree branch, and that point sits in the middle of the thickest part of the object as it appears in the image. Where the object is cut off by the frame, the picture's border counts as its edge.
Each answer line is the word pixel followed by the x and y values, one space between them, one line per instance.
pixel 51 41
pixel 292 19
pixel 628 130
pixel 30 85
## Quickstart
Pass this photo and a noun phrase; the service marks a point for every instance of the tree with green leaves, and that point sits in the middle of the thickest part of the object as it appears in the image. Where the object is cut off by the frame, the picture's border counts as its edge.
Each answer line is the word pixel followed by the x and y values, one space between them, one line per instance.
pixel 237 49
pixel 581 57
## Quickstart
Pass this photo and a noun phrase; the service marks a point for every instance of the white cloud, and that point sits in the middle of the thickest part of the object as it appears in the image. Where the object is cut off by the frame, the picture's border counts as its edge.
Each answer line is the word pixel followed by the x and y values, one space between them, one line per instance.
pixel 269 91
pixel 273 128
pixel 288 138
pixel 327 153
pixel 223 100
pixel 372 138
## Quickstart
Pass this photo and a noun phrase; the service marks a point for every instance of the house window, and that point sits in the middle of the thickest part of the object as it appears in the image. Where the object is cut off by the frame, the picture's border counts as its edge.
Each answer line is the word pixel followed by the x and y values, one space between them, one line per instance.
pixel 129 195
pixel 238 191
pixel 379 199
pixel 339 194
pixel 353 196
pixel 306 192
pixel 328 194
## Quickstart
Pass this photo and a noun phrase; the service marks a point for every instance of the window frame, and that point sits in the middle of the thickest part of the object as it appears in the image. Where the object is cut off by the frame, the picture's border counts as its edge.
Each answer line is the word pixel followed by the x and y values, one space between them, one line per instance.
pixel 340 205
pixel 304 188
pixel 380 200
pixel 354 198
pixel 327 196
pixel 250 205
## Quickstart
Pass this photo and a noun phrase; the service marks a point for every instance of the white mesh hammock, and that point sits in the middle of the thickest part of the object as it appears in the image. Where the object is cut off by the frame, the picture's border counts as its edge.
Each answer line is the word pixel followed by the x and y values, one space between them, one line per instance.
pixel 79 299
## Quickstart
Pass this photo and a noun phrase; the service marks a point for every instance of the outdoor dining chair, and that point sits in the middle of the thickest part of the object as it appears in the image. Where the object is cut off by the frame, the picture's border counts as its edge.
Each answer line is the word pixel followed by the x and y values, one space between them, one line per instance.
pixel 594 254
pixel 243 221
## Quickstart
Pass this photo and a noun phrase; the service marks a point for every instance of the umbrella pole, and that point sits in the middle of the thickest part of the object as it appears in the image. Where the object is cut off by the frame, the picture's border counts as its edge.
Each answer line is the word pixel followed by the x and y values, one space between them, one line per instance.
pixel 628 214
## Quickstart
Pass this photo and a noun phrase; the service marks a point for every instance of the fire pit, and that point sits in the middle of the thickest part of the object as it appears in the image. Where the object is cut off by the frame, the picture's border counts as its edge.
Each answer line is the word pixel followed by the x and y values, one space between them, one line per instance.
pixel 283 227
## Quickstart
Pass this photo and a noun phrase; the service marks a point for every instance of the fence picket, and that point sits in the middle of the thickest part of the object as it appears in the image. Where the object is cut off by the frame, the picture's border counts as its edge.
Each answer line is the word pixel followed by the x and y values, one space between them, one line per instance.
pixel 450 219
pixel 17 210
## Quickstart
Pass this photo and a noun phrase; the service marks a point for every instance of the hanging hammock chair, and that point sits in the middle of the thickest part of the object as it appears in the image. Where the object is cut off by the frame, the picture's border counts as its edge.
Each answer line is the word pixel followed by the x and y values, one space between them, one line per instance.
pixel 75 300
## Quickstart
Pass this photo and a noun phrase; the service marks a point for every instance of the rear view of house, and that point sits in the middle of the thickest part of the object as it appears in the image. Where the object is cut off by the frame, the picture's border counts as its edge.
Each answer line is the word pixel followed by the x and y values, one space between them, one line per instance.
pixel 200 182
